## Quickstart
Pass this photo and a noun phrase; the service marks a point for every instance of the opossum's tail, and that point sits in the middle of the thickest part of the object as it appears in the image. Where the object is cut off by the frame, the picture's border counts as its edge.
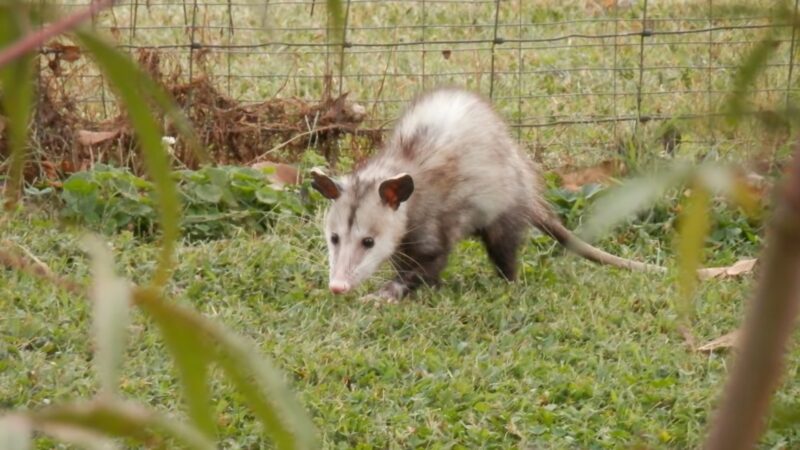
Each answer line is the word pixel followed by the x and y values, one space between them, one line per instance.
pixel 553 227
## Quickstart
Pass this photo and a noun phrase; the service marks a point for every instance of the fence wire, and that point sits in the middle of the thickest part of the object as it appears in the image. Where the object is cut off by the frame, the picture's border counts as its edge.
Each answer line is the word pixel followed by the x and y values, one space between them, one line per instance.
pixel 571 77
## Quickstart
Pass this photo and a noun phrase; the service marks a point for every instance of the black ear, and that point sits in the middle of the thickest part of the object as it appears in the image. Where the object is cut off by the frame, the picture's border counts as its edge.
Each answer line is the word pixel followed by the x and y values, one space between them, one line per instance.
pixel 325 185
pixel 396 190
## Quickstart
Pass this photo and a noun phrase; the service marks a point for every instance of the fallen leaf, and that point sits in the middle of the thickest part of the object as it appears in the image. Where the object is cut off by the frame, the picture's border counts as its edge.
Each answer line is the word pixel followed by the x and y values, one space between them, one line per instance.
pixel 86 137
pixel 69 53
pixel 728 340
pixel 741 267
pixel 50 170
pixel 67 167
pixel 573 180
pixel 282 174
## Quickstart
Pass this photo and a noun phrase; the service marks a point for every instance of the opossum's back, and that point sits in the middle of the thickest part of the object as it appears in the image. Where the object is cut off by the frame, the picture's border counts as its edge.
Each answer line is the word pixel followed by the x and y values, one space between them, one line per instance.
pixel 463 155
pixel 455 130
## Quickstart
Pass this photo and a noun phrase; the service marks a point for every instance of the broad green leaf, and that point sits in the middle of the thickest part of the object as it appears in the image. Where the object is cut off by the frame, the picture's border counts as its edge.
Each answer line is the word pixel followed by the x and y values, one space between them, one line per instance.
pixel 111 297
pixel 260 384
pixel 208 193
pixel 693 228
pixel 127 78
pixel 15 433
pixel 267 196
pixel 121 419
pixel 622 202
pixel 79 185
pixel 190 350
pixel 219 177
pixel 16 84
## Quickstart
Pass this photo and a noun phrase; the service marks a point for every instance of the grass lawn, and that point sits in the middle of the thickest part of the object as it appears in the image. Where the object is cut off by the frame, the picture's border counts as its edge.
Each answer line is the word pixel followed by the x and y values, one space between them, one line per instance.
pixel 573 356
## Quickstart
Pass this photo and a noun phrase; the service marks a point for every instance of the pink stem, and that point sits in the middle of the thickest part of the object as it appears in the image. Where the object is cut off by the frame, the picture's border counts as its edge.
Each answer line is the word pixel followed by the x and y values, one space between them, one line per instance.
pixel 34 40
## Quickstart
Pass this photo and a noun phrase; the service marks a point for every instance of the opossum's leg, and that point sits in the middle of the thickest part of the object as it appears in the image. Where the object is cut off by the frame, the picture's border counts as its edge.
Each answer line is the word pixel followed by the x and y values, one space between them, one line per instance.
pixel 412 272
pixel 502 239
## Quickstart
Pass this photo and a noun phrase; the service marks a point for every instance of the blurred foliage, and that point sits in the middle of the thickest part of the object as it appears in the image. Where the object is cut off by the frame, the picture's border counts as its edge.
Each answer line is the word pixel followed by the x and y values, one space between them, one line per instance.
pixel 732 232
pixel 116 197
pixel 16 102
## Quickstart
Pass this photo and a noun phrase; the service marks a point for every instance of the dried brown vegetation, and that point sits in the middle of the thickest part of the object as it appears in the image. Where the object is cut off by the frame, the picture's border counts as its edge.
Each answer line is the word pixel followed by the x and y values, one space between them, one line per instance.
pixel 278 129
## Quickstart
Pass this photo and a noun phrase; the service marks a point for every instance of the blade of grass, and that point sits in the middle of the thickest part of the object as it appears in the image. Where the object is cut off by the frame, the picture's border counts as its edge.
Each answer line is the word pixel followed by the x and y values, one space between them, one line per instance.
pixel 623 201
pixel 693 228
pixel 336 16
pixel 125 76
pixel 89 440
pixel 120 419
pixel 15 433
pixel 260 384
pixel 184 341
pixel 16 81
pixel 111 296
pixel 752 65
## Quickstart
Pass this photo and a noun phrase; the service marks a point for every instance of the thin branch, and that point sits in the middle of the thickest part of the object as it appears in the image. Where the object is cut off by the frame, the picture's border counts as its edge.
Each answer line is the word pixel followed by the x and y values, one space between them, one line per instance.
pixel 298 136
pixel 757 370
pixel 37 269
pixel 36 39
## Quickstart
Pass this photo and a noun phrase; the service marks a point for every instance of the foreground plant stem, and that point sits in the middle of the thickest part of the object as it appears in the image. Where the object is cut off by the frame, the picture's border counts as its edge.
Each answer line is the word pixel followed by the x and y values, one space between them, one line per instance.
pixel 33 40
pixel 756 372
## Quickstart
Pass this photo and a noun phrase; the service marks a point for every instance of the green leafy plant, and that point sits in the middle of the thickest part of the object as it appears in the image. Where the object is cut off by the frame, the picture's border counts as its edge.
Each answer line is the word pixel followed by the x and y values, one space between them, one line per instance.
pixel 731 231
pixel 215 200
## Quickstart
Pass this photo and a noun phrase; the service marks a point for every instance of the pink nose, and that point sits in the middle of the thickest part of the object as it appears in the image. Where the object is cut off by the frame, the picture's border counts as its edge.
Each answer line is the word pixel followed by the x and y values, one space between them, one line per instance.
pixel 339 287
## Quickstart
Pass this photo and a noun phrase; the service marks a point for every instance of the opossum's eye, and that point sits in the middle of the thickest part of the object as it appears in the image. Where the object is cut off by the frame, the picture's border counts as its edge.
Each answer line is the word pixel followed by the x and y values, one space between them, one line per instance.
pixel 368 242
pixel 335 239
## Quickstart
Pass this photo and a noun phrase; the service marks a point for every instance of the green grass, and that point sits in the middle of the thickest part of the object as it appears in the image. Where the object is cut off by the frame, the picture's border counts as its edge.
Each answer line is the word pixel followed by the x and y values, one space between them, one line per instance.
pixel 572 356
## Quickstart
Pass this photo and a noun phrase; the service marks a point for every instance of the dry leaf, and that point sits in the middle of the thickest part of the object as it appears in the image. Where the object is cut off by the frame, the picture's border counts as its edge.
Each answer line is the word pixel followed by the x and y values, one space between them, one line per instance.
pixel 86 137
pixel 573 180
pixel 728 340
pixel 50 170
pixel 69 53
pixel 741 267
pixel 282 175
pixel 67 166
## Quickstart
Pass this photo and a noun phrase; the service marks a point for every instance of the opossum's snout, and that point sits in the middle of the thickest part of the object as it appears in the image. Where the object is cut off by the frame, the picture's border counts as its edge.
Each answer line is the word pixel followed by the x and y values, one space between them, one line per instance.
pixel 339 287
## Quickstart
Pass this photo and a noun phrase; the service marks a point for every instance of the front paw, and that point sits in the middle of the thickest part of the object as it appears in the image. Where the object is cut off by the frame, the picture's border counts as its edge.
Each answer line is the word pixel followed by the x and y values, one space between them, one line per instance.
pixel 390 293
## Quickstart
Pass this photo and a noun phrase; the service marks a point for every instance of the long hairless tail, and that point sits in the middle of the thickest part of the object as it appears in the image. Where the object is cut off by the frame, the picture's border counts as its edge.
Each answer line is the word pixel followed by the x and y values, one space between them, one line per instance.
pixel 555 229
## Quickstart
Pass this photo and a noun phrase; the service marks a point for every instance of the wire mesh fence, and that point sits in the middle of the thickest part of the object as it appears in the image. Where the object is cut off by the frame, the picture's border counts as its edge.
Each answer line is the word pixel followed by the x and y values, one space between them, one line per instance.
pixel 575 79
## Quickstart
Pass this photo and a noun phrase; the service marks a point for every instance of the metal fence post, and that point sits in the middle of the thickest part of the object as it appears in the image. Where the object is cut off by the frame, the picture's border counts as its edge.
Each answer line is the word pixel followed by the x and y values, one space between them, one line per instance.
pixel 497 40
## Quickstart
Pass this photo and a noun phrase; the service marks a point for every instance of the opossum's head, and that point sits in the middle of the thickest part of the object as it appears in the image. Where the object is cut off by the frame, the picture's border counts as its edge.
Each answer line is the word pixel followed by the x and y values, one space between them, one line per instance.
pixel 364 224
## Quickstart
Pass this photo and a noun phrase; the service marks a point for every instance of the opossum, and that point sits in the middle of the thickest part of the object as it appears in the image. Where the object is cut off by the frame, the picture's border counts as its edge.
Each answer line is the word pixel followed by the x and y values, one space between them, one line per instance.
pixel 450 170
